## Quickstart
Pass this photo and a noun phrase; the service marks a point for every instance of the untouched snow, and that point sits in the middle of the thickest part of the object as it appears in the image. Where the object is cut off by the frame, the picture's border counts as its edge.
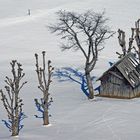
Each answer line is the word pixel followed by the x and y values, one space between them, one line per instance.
pixel 73 116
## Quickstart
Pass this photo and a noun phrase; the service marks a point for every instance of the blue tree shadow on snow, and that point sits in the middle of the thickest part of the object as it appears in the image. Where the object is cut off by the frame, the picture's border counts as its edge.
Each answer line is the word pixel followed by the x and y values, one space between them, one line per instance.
pixel 74 75
pixel 40 107
pixel 8 123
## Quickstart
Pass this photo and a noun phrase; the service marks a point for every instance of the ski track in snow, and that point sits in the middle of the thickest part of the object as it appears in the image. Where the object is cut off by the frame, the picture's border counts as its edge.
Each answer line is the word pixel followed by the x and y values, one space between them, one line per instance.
pixel 115 135
pixel 107 121
pixel 103 120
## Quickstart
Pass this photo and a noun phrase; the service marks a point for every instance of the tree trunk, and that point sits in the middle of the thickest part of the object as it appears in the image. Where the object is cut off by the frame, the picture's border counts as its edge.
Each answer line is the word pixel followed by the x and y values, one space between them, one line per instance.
pixel 139 54
pixel 90 86
pixel 15 122
pixel 15 128
pixel 46 117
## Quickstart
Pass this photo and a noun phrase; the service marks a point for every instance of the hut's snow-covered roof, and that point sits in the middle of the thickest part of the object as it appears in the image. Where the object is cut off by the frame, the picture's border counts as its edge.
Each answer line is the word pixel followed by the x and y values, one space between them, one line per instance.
pixel 129 67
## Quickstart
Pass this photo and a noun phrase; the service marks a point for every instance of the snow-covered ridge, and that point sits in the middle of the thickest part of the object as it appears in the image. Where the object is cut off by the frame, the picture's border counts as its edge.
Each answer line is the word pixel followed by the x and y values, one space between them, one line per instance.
pixel 35 14
pixel 27 18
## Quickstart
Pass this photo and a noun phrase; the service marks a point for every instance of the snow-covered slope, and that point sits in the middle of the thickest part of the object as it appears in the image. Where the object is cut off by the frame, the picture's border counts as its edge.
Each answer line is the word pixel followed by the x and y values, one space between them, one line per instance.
pixel 73 116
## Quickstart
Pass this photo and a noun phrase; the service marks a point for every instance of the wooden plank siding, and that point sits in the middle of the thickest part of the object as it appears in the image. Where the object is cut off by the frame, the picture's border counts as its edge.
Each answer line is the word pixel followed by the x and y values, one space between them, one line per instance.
pixel 112 86
pixel 122 80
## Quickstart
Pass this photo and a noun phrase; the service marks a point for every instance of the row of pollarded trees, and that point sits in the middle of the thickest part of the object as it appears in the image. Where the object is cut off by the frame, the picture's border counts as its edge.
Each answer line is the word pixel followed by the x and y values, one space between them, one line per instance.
pixel 11 98
pixel 86 32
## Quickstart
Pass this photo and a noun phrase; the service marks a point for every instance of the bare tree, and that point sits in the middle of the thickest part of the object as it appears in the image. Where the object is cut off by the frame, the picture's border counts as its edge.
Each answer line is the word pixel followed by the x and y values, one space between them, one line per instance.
pixel 85 32
pixel 29 12
pixel 137 37
pixel 131 40
pixel 122 42
pixel 44 84
pixel 11 100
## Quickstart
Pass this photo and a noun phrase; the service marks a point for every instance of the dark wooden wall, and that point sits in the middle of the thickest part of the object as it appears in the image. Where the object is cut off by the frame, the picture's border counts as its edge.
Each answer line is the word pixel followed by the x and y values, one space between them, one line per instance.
pixel 117 87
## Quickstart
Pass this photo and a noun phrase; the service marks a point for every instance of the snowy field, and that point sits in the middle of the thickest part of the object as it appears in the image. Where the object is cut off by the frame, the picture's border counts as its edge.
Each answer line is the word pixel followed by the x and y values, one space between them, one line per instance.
pixel 73 116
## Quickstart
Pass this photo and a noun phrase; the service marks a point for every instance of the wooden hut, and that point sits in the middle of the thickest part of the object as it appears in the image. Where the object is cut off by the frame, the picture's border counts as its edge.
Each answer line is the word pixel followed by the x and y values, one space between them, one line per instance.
pixel 122 80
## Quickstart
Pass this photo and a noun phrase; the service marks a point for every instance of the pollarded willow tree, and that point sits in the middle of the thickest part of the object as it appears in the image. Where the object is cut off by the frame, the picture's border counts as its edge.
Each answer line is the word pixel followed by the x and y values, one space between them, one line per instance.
pixel 44 75
pixel 122 42
pixel 86 32
pixel 137 37
pixel 134 38
pixel 11 99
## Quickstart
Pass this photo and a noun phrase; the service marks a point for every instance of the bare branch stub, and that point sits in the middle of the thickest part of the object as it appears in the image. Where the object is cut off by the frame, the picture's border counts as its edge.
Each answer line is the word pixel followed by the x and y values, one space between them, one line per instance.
pixel 86 32
pixel 44 84
pixel 131 40
pixel 11 100
pixel 122 42
pixel 137 37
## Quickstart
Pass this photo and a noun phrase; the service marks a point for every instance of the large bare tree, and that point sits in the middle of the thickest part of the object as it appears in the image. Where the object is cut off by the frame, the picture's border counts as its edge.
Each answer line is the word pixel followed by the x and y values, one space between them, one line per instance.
pixel 11 99
pixel 86 32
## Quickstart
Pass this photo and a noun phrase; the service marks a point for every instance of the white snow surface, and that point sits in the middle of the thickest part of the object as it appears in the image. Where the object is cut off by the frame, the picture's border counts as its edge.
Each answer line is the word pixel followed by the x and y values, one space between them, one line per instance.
pixel 73 116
